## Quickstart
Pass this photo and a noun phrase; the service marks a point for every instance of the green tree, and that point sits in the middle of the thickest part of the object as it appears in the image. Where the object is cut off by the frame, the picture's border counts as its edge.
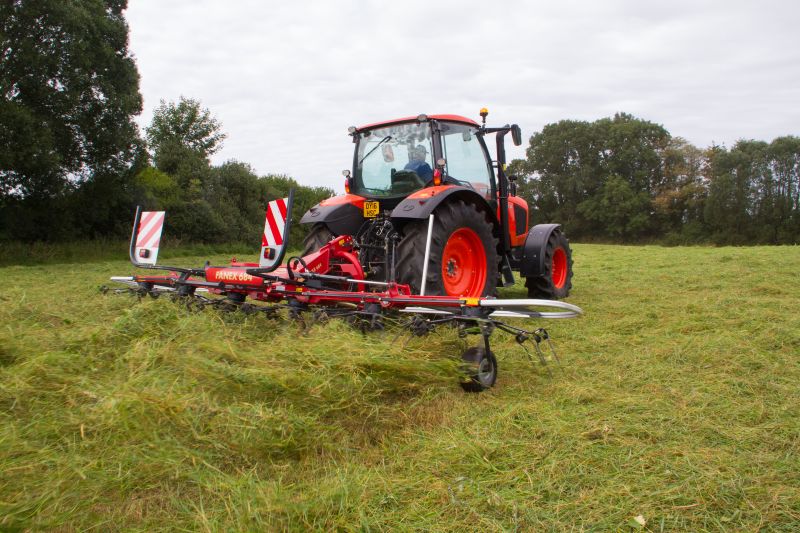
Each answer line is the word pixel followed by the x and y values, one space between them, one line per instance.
pixel 234 193
pixel 730 207
pixel 784 161
pixel 69 89
pixel 182 137
pixel 618 208
pixel 575 170
pixel 679 199
pixel 158 190
pixel 562 169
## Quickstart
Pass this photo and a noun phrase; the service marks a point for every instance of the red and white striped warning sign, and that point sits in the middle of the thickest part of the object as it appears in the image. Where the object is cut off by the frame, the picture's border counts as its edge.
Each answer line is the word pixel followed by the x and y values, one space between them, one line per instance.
pixel 276 220
pixel 273 236
pixel 148 238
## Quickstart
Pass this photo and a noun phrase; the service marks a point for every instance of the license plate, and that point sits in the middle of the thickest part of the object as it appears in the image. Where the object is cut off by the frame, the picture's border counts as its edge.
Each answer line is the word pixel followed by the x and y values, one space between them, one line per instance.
pixel 371 209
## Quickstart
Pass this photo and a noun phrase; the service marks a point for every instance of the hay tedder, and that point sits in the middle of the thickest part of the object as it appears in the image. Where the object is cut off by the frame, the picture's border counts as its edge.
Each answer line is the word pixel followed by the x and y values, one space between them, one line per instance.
pixel 412 244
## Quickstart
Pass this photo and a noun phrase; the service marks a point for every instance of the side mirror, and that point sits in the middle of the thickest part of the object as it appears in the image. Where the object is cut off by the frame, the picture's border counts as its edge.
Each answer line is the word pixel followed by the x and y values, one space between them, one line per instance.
pixel 348 180
pixel 512 184
pixel 516 135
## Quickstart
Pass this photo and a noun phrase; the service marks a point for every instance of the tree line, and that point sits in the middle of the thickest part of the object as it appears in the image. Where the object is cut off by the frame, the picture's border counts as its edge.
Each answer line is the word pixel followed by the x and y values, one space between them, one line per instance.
pixel 624 179
pixel 209 203
pixel 73 163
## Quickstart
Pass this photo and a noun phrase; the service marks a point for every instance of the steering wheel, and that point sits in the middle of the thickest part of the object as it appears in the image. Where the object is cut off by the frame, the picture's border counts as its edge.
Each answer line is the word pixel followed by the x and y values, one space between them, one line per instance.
pixel 406 181
pixel 405 176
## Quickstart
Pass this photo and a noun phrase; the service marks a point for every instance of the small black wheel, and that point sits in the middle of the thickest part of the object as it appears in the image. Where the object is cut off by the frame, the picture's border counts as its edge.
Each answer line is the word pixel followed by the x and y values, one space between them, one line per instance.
pixel 317 237
pixel 185 290
pixel 480 370
pixel 556 281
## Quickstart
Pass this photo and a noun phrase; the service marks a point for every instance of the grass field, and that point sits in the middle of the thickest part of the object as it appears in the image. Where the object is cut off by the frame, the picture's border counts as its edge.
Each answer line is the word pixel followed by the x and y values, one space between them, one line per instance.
pixel 678 403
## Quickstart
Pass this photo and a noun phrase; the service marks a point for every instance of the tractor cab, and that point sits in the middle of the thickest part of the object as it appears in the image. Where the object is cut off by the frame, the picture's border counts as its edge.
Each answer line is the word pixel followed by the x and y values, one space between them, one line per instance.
pixel 394 159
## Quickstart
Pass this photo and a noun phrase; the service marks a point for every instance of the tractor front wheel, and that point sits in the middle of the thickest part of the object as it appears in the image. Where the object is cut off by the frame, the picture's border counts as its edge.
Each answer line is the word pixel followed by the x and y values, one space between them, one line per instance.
pixel 463 255
pixel 556 280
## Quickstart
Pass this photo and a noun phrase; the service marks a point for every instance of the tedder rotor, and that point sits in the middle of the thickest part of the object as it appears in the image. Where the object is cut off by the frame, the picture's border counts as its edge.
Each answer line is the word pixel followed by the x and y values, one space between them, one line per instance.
pixel 432 257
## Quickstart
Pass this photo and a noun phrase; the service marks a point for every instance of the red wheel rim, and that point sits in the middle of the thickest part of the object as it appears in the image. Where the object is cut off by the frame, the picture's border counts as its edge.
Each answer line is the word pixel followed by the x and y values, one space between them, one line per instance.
pixel 464 264
pixel 559 268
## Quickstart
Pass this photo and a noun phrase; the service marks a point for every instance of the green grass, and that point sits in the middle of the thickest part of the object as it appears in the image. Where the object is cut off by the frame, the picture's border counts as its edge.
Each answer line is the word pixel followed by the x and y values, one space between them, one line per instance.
pixel 678 401
pixel 43 253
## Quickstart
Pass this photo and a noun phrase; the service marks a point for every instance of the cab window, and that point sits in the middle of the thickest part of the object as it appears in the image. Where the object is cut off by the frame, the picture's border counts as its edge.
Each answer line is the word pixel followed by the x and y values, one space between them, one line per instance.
pixel 467 163
pixel 394 160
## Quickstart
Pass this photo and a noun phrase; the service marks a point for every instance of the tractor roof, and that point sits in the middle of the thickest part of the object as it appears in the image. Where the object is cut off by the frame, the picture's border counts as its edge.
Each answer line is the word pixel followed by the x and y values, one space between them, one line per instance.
pixel 447 118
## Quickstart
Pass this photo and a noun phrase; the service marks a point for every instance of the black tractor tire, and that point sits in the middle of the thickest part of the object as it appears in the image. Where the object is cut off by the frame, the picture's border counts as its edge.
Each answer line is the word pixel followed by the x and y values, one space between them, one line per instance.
pixel 318 236
pixel 556 281
pixel 480 370
pixel 453 221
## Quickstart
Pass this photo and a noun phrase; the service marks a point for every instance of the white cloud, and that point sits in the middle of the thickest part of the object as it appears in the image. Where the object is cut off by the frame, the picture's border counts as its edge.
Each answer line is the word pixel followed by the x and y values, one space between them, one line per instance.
pixel 287 78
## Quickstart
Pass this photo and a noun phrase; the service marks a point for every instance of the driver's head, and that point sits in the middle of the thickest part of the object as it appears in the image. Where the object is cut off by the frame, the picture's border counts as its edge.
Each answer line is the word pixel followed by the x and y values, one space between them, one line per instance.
pixel 419 152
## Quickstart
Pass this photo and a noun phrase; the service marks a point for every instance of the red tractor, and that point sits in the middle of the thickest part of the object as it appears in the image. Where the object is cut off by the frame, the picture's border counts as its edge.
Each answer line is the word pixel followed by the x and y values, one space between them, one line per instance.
pixel 426 186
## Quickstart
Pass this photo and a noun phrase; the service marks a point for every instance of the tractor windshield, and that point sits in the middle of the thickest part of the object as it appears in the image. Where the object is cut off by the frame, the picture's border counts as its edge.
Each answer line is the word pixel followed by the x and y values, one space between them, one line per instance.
pixel 393 160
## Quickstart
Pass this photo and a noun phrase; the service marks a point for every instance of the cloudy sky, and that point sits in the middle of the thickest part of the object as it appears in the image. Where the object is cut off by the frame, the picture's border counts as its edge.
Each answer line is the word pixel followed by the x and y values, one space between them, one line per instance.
pixel 286 78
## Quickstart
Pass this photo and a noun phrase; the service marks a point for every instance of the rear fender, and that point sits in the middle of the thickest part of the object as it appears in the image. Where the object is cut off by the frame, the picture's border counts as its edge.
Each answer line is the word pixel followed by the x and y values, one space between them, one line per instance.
pixel 533 252
pixel 343 214
pixel 422 203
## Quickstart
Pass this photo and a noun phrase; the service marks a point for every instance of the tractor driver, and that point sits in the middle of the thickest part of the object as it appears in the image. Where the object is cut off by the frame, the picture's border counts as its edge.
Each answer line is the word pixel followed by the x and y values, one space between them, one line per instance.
pixel 418 164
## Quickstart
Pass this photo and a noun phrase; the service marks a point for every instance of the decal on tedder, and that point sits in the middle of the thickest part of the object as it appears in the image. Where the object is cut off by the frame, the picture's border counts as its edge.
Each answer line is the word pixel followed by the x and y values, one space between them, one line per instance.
pixel 149 236
pixel 274 231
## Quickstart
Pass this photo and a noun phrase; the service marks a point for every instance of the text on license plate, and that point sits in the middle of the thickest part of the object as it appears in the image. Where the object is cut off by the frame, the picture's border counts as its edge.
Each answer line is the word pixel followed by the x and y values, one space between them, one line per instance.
pixel 371 209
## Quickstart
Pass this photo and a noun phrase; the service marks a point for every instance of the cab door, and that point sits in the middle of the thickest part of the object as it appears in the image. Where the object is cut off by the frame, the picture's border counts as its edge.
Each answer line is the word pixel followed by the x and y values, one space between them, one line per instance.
pixel 466 159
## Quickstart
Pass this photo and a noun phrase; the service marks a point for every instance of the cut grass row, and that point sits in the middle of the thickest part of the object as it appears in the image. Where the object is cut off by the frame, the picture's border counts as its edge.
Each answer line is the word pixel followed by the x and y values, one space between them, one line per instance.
pixel 678 402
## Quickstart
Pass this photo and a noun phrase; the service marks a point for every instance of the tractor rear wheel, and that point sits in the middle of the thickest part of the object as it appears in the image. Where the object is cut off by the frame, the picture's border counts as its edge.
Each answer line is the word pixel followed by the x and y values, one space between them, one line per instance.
pixel 556 281
pixel 317 237
pixel 463 256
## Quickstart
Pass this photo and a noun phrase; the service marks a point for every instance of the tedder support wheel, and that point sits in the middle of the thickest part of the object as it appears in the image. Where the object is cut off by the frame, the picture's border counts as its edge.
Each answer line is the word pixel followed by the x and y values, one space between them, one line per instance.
pixel 317 237
pixel 463 256
pixel 556 281
pixel 480 369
